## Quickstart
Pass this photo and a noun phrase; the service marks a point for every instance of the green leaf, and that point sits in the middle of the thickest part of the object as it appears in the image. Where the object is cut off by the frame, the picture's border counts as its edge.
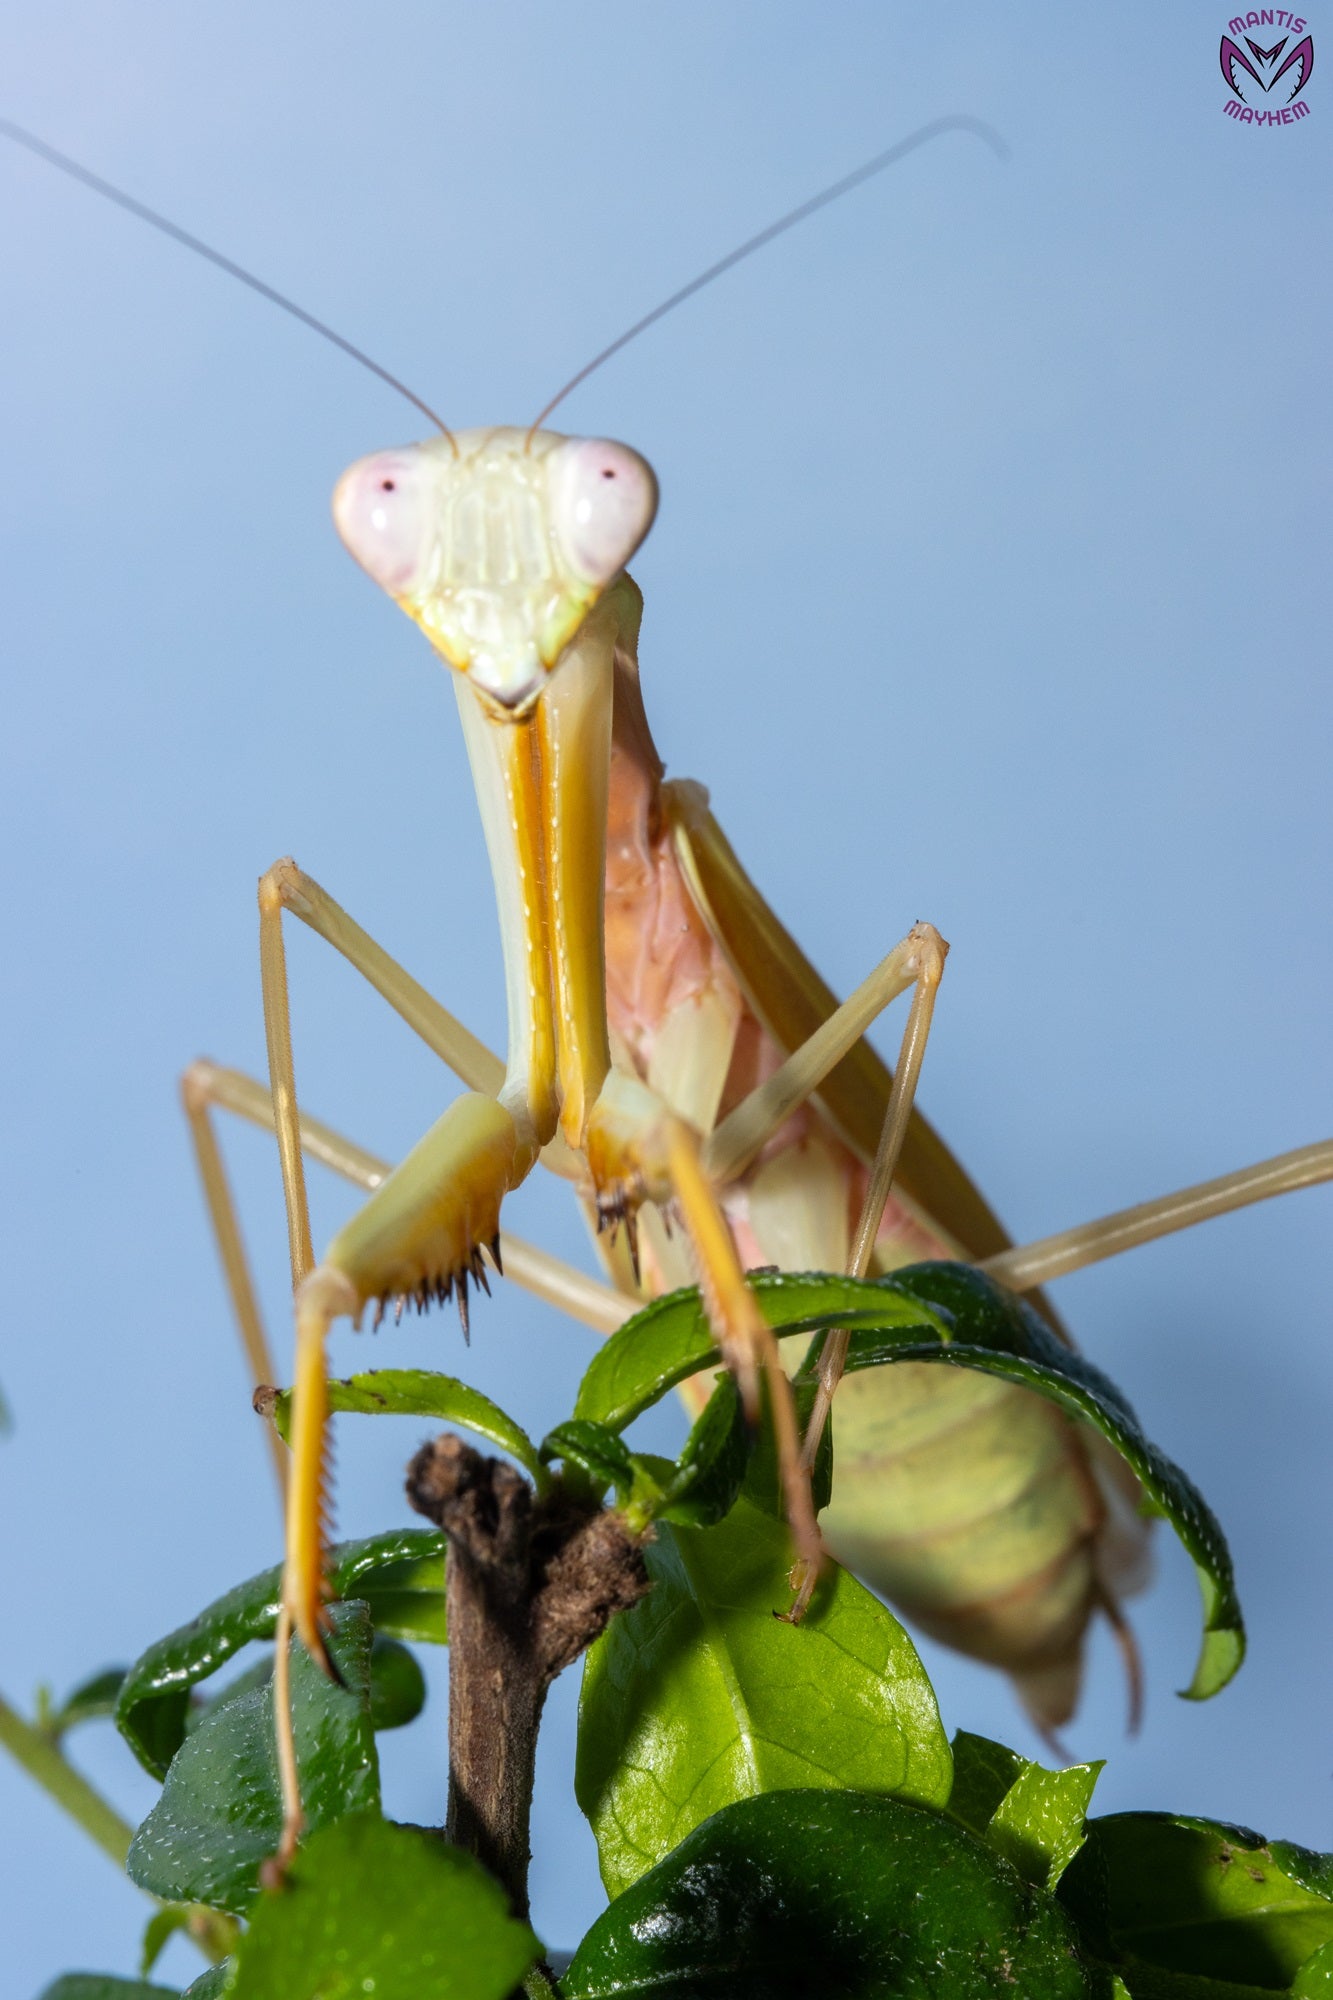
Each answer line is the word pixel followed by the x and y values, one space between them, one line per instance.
pixel 406 1598
pixel 998 1333
pixel 220 1813
pixel 400 1575
pixel 372 1908
pixel 983 1771
pixel 91 1701
pixel 951 1314
pixel 210 1985
pixel 803 1893
pixel 670 1339
pixel 256 1675
pixel 1195 1896
pixel 598 1453
pixel 420 1392
pixel 698 1696
pixel 1314 1981
pixel 104 1986
pixel 397 1684
pixel 158 1932
pixel 709 1473
pixel 1040 1824
pixel 763 1481
pixel 693 1492
pixel 1032 1816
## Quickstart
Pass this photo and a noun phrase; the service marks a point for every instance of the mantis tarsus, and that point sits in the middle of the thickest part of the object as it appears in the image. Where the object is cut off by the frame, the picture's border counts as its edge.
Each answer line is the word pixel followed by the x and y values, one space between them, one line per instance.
pixel 705 773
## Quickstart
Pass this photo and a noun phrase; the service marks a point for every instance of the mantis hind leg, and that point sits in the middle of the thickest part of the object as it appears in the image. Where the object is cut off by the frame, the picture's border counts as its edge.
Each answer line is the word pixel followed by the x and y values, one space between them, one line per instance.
pixel 630 1142
pixel 915 964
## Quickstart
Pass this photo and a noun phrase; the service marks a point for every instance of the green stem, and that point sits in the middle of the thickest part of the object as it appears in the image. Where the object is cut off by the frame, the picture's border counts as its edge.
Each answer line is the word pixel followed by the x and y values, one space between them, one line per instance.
pixel 214 1933
pixel 42 1760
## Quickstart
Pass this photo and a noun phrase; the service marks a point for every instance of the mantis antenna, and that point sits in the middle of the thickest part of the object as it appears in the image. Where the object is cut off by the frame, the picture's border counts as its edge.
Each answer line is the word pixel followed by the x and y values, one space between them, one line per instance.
pixel 922 137
pixel 66 165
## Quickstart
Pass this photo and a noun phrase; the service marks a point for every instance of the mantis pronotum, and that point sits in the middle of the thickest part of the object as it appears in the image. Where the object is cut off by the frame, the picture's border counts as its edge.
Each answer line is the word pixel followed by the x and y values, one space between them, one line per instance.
pixel 707 767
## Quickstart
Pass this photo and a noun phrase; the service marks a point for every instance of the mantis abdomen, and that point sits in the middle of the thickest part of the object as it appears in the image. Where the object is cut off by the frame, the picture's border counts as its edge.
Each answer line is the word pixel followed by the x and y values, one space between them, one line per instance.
pixel 988 1518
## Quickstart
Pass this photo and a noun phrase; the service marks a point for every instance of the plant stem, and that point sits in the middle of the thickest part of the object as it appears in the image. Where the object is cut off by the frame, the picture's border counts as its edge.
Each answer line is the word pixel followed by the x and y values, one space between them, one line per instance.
pixel 43 1761
pixel 530 1582
pixel 496 1693
pixel 213 1932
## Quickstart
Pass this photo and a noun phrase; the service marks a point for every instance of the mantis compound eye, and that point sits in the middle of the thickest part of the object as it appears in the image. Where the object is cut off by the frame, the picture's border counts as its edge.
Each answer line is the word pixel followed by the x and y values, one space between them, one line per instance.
pixel 603 499
pixel 384 509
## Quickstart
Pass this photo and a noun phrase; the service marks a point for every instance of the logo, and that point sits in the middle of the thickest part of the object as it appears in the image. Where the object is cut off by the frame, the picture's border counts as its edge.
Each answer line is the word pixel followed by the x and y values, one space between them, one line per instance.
pixel 1266 82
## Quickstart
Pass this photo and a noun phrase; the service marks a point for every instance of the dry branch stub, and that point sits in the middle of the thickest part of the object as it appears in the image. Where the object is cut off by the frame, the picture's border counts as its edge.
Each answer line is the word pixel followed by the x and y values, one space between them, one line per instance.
pixel 530 1583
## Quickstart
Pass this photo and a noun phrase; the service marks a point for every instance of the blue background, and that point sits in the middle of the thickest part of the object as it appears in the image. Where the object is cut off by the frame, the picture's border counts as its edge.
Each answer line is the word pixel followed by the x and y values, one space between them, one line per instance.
pixel 988 586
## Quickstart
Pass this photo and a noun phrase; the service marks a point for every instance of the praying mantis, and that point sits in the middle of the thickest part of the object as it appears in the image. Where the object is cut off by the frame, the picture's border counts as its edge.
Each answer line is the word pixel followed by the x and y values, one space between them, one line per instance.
pixel 709 767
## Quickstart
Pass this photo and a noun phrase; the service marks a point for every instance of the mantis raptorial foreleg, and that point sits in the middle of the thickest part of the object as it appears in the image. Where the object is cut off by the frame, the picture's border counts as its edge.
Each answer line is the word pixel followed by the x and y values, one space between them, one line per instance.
pixel 287 887
pixel 424 1228
pixel 207 1087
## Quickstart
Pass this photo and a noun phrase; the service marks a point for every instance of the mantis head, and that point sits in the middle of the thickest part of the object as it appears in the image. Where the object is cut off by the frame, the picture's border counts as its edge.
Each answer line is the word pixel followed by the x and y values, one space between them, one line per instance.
pixel 498 544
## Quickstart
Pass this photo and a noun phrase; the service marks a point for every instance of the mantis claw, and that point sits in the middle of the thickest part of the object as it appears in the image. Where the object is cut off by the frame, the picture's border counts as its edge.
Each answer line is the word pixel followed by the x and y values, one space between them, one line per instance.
pixel 804 1579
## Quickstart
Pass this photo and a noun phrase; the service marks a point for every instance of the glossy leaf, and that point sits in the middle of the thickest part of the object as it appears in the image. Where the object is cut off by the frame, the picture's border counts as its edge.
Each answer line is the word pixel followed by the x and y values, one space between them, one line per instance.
pixel 803 1893
pixel 599 1454
pixel 420 1392
pixel 385 1910
pixel 220 1813
pixel 951 1314
pixel 699 1697
pixel 256 1675
pixel 397 1684
pixel 694 1491
pixel 400 1575
pixel 104 1986
pixel 1032 1816
pixel 670 1339
pixel 1040 1823
pixel 709 1473
pixel 406 1598
pixel 983 1771
pixel 1198 1897
pixel 1314 1981
pixel 996 1331
pixel 210 1985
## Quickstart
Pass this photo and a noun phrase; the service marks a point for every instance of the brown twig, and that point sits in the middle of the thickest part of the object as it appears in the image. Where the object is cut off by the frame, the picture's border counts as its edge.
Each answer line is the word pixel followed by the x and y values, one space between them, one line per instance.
pixel 530 1583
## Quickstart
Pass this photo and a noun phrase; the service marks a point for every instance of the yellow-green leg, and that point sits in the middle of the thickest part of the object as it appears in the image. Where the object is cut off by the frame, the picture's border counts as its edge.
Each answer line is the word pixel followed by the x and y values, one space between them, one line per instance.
pixel 420 1234
pixel 1033 1264
pixel 208 1087
pixel 916 963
